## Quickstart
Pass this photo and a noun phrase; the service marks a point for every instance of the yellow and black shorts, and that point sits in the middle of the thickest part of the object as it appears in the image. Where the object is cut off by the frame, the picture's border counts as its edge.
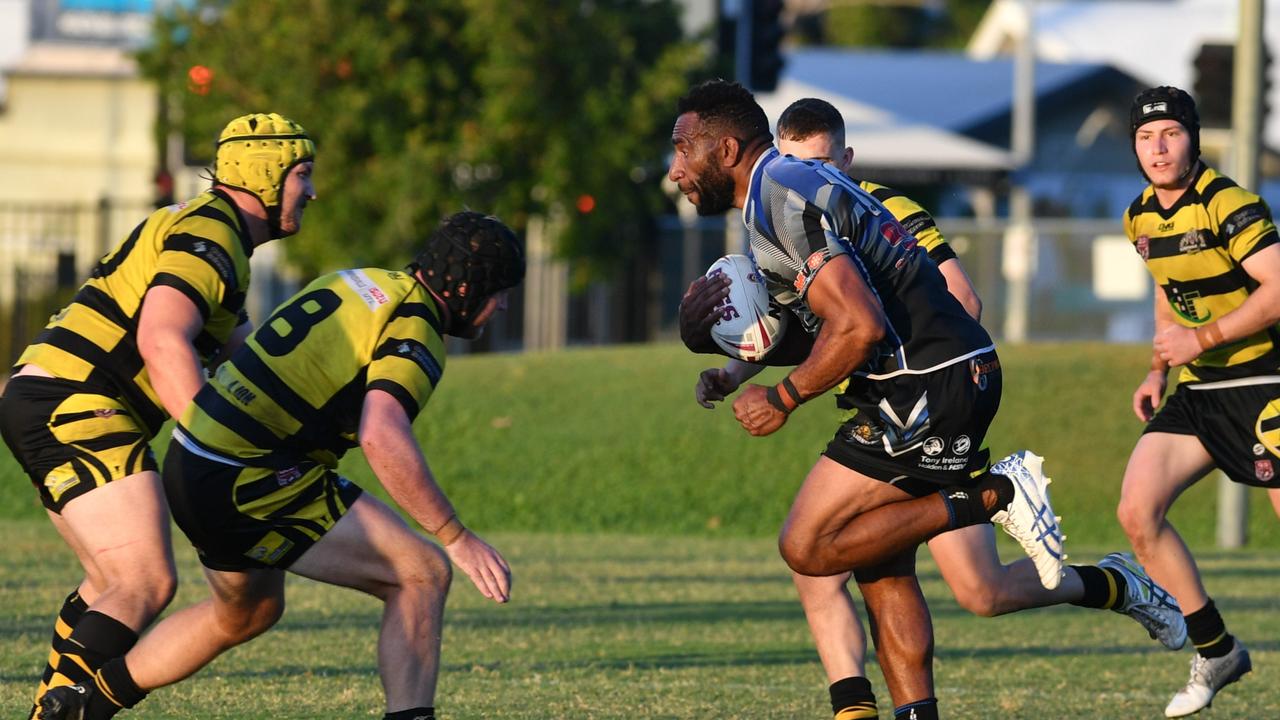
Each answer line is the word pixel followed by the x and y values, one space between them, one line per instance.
pixel 69 438
pixel 1238 422
pixel 240 517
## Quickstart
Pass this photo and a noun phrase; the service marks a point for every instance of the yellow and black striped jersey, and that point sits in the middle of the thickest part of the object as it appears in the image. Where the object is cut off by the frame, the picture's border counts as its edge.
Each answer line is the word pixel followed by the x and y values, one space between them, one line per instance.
pixel 296 388
pixel 914 219
pixel 200 248
pixel 1195 250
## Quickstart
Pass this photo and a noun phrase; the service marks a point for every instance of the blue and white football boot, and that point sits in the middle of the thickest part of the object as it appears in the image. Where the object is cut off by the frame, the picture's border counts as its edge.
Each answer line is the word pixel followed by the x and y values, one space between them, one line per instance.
pixel 1029 518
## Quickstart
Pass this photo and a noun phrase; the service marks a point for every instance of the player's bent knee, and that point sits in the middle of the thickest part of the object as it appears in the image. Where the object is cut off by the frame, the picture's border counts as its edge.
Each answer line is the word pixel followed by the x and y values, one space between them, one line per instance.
pixel 982 602
pixel 242 621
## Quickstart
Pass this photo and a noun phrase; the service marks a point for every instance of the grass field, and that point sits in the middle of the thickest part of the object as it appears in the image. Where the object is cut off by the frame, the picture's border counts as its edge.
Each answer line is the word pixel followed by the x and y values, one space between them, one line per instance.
pixel 605 626
pixel 640 528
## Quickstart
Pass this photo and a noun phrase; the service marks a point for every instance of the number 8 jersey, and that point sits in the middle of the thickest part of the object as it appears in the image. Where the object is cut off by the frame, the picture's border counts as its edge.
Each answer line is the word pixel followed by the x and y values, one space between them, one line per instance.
pixel 296 388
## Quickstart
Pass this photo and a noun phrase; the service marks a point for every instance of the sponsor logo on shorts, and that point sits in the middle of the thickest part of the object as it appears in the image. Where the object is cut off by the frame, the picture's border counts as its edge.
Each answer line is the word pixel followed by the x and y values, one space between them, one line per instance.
pixel 1263 470
pixel 288 476
pixel 979 370
pixel 960 446
pixel 933 446
pixel 864 433
pixel 1258 449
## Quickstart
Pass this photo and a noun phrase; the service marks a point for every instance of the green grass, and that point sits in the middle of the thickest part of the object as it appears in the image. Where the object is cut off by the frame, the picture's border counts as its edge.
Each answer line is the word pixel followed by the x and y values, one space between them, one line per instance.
pixel 641 526
pixel 617 626
pixel 610 440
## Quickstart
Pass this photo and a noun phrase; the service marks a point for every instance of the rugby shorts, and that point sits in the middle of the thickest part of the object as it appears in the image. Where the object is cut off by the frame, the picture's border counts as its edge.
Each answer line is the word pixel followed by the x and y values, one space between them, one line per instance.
pixel 1238 426
pixel 921 433
pixel 240 517
pixel 69 438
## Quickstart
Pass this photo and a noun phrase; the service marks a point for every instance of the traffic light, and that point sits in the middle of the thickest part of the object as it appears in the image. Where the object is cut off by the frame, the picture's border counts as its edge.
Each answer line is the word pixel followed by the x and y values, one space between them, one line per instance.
pixel 766 35
pixel 1214 67
pixel 1215 82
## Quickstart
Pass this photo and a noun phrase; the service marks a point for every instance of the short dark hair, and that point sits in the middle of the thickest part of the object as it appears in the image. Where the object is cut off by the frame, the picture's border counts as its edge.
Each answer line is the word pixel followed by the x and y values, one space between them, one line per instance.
pixel 807 117
pixel 727 106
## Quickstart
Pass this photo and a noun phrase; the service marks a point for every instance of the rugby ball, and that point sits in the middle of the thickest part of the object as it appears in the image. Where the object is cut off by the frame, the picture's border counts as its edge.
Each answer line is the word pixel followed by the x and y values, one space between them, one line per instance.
pixel 750 323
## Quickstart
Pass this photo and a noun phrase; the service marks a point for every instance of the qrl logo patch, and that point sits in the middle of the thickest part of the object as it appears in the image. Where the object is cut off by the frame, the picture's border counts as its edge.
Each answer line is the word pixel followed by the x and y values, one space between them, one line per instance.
pixel 1263 470
pixel 1143 246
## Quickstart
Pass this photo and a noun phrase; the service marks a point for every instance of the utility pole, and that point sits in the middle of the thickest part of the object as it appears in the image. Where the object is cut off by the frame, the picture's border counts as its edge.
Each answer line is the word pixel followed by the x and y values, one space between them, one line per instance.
pixel 1018 259
pixel 1246 131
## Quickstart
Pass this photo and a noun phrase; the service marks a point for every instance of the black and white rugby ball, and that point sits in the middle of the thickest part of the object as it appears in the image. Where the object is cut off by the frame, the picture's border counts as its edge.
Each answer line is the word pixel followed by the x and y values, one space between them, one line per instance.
pixel 750 325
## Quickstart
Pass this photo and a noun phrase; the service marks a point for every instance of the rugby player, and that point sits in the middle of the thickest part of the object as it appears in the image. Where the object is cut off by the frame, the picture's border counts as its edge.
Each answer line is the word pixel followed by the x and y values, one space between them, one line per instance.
pixel 923 375
pixel 128 352
pixel 250 472
pixel 1211 248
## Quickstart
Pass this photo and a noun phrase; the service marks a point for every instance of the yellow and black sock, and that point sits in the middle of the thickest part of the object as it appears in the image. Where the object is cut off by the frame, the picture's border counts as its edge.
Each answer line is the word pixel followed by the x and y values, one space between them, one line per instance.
pixel 852 699
pixel 73 608
pixel 96 639
pixel 926 709
pixel 1208 632
pixel 420 713
pixel 1103 588
pixel 115 691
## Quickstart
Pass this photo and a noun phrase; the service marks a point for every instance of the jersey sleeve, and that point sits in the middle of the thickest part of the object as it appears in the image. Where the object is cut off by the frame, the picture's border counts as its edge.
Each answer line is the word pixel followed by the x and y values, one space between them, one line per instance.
pixel 195 260
pixel 408 359
pixel 915 220
pixel 1244 222
pixel 806 237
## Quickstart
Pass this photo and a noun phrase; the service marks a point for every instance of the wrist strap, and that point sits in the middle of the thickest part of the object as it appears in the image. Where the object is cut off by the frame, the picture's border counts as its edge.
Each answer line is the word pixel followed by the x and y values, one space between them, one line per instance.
pixel 1209 336
pixel 790 387
pixel 771 394
pixel 450 531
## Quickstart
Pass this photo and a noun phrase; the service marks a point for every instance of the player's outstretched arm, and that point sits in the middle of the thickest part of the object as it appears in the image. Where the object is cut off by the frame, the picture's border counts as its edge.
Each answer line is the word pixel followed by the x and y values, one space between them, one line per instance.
pixel 386 436
pixel 961 287
pixel 716 384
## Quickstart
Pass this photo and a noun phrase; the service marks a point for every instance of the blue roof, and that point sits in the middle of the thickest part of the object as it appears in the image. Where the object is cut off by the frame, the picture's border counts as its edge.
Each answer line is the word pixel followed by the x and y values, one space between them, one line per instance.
pixel 943 89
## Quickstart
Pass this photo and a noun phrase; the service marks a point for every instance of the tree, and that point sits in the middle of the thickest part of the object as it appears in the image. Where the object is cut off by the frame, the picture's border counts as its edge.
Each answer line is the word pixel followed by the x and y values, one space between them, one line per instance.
pixel 419 109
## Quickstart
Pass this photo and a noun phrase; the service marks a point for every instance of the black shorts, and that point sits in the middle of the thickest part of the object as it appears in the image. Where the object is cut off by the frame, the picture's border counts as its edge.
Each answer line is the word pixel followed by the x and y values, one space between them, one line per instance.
pixel 1238 426
pixel 921 433
pixel 69 438
pixel 240 517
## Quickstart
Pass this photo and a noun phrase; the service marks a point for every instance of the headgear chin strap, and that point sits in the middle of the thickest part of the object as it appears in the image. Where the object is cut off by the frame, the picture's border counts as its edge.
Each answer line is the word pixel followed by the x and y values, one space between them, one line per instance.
pixel 255 153
pixel 467 259
pixel 1165 103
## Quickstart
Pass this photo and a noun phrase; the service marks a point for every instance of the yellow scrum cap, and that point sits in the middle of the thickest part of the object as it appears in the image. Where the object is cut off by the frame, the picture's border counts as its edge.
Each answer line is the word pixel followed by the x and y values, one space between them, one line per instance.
pixel 255 153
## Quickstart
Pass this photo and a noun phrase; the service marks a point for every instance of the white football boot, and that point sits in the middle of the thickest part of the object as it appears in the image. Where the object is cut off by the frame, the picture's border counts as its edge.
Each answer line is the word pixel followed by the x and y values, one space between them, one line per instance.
pixel 1208 676
pixel 1029 518
pixel 1148 603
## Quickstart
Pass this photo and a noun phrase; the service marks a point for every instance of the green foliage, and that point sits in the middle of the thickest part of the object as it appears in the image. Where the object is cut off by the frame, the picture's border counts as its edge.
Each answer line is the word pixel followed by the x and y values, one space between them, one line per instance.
pixel 420 109
pixel 903 25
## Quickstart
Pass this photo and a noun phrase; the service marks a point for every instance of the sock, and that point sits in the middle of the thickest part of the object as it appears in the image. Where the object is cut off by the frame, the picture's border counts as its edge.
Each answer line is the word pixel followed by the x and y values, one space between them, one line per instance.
pixel 115 691
pixel 1103 588
pixel 73 608
pixel 852 699
pixel 926 709
pixel 96 639
pixel 1208 632
pixel 420 713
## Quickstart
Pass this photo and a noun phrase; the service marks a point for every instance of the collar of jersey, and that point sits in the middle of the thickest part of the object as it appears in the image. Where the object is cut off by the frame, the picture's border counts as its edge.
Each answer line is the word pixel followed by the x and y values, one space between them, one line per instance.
pixel 757 171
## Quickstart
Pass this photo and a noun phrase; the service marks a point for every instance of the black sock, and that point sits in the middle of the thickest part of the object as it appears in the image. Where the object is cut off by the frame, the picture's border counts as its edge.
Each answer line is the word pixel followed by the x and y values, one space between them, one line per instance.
pixel 965 506
pixel 1208 632
pixel 421 713
pixel 73 608
pixel 96 639
pixel 1103 588
pixel 926 709
pixel 852 692
pixel 115 691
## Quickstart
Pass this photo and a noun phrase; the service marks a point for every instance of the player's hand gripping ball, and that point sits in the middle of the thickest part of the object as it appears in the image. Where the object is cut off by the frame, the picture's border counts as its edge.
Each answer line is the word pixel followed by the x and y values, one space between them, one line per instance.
pixel 750 323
